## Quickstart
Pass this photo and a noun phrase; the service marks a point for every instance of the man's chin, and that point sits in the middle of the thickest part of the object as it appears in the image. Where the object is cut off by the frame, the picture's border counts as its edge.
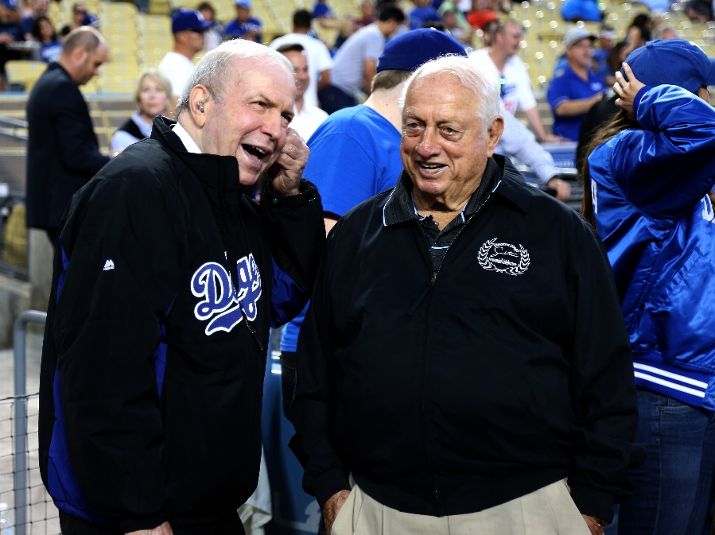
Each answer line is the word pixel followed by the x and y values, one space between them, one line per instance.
pixel 247 180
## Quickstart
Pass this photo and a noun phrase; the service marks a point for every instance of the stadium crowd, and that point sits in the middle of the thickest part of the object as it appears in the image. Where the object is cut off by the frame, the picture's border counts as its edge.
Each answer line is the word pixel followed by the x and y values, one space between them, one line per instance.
pixel 569 367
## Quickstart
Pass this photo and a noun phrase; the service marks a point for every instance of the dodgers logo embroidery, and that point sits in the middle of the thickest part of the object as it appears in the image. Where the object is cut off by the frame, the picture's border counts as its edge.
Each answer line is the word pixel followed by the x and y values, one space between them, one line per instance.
pixel 503 257
pixel 221 304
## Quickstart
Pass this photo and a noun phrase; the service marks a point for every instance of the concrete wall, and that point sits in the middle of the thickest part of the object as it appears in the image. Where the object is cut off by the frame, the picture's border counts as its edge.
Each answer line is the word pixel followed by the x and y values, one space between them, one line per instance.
pixel 40 259
pixel 16 296
pixel 14 299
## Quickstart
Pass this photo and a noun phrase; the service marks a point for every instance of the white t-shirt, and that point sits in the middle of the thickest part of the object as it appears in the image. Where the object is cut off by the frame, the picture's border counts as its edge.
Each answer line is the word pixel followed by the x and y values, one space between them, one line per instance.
pixel 516 90
pixel 308 120
pixel 319 60
pixel 177 68
pixel 348 69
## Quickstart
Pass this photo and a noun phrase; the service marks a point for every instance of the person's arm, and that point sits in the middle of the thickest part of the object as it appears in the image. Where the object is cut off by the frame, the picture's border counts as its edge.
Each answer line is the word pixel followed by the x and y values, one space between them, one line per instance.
pixel 324 79
pixel 665 167
pixel 119 281
pixel 163 529
pixel 120 141
pixel 329 223
pixel 601 379
pixel 532 115
pixel 576 106
pixel 76 140
pixel 324 477
pixel 369 68
pixel 292 213
pixel 324 65
pixel 518 142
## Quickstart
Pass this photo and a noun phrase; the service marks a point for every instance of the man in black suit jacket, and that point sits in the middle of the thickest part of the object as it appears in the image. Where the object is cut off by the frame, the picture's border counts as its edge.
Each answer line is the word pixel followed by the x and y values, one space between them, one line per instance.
pixel 62 149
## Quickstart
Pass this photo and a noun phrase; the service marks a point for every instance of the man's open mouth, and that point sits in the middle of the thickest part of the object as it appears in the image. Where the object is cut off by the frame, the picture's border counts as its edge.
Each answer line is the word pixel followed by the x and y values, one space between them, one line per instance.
pixel 255 151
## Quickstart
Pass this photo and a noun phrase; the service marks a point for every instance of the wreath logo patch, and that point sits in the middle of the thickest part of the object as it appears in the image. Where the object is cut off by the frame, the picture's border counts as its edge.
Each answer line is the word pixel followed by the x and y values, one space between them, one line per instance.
pixel 503 257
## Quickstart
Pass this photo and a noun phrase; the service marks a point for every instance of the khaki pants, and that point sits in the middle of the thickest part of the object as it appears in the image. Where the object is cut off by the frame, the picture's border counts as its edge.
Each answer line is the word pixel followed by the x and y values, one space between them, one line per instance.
pixel 546 511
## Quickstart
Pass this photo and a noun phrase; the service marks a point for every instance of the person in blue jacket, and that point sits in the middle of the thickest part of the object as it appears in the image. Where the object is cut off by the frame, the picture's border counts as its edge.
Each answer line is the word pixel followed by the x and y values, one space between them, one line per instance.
pixel 649 172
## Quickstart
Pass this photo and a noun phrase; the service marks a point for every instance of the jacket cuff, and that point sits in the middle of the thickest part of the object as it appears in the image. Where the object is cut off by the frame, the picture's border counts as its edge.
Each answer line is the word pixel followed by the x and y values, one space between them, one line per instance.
pixel 135 523
pixel 328 484
pixel 637 99
pixel 593 502
pixel 306 193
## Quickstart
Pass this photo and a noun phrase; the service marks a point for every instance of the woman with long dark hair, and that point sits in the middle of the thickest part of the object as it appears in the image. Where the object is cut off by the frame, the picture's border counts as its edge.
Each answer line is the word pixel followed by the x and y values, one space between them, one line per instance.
pixel 649 171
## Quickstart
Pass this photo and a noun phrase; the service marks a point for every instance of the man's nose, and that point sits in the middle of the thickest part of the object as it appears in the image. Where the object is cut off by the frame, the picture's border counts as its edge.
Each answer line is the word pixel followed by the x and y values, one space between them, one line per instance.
pixel 427 146
pixel 273 124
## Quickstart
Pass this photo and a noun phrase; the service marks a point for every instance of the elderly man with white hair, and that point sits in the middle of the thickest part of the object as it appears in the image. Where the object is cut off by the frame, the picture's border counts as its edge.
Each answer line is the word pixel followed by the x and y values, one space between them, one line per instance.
pixel 168 277
pixel 466 368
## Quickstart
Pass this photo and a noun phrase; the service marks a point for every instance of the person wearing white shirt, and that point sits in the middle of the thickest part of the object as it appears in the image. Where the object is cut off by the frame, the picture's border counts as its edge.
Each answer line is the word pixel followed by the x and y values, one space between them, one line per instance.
pixel 307 117
pixel 188 27
pixel 515 91
pixel 319 60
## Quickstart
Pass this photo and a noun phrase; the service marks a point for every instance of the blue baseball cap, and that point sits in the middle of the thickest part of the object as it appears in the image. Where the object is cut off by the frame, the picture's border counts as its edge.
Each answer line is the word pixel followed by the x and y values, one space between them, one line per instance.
pixel 188 19
pixel 10 4
pixel 672 61
pixel 243 3
pixel 408 51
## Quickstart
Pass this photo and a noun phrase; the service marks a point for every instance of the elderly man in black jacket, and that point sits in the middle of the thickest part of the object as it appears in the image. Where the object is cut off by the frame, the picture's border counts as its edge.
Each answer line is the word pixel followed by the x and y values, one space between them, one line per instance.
pixel 168 277
pixel 465 368
pixel 62 149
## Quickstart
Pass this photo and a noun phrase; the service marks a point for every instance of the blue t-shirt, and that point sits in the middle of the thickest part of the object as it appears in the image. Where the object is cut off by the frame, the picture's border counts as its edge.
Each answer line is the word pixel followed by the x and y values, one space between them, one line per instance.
pixel 567 85
pixel 26 24
pixel 51 51
pixel 354 155
pixel 236 29
pixel 600 59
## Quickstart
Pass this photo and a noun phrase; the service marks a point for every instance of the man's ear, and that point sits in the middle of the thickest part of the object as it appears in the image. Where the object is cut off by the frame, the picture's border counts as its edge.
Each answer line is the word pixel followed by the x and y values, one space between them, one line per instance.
pixel 79 56
pixel 496 129
pixel 199 103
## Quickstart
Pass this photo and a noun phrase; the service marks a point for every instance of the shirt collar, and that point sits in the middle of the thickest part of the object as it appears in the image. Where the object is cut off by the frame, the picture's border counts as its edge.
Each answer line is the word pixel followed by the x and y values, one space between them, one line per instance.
pixel 400 207
pixel 188 142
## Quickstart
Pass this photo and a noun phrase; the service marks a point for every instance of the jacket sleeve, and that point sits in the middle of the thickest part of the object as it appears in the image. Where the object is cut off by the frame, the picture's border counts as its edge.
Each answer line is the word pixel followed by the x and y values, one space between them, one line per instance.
pixel 602 385
pixel 297 235
pixel 667 167
pixel 312 411
pixel 76 140
pixel 518 142
pixel 118 282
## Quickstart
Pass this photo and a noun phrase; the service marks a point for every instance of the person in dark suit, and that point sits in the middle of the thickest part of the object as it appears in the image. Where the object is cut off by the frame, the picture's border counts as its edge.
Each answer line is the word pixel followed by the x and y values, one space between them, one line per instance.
pixel 62 148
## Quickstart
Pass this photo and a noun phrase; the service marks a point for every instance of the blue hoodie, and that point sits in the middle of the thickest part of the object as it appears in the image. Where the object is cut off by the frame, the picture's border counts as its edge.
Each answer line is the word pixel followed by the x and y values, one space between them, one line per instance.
pixel 649 188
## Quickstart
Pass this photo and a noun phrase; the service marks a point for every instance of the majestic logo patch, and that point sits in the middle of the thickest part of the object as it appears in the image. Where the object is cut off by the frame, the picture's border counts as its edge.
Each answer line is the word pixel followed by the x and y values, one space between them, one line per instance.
pixel 503 257
pixel 108 265
pixel 222 304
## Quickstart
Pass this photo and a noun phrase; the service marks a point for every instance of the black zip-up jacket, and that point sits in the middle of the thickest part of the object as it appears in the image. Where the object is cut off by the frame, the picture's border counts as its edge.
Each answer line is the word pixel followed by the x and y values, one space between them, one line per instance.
pixel 154 353
pixel 447 393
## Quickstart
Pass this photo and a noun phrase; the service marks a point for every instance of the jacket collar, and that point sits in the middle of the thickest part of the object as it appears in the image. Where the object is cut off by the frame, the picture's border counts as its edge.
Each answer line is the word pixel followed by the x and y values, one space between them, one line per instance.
pixel 500 176
pixel 217 174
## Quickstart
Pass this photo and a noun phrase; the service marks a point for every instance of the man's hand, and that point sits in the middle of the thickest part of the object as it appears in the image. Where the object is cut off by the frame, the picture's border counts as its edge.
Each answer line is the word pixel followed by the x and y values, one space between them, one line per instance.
pixel 332 508
pixel 594 525
pixel 627 91
pixel 163 529
pixel 290 164
pixel 551 138
pixel 562 188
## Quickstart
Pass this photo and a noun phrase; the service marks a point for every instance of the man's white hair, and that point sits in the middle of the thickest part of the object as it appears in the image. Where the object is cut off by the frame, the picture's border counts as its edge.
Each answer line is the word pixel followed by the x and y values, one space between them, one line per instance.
pixel 474 77
pixel 214 69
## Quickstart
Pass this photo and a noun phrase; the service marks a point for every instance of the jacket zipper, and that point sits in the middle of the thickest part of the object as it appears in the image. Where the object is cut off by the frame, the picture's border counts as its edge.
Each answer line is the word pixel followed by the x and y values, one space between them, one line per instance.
pixel 435 272
pixel 433 282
